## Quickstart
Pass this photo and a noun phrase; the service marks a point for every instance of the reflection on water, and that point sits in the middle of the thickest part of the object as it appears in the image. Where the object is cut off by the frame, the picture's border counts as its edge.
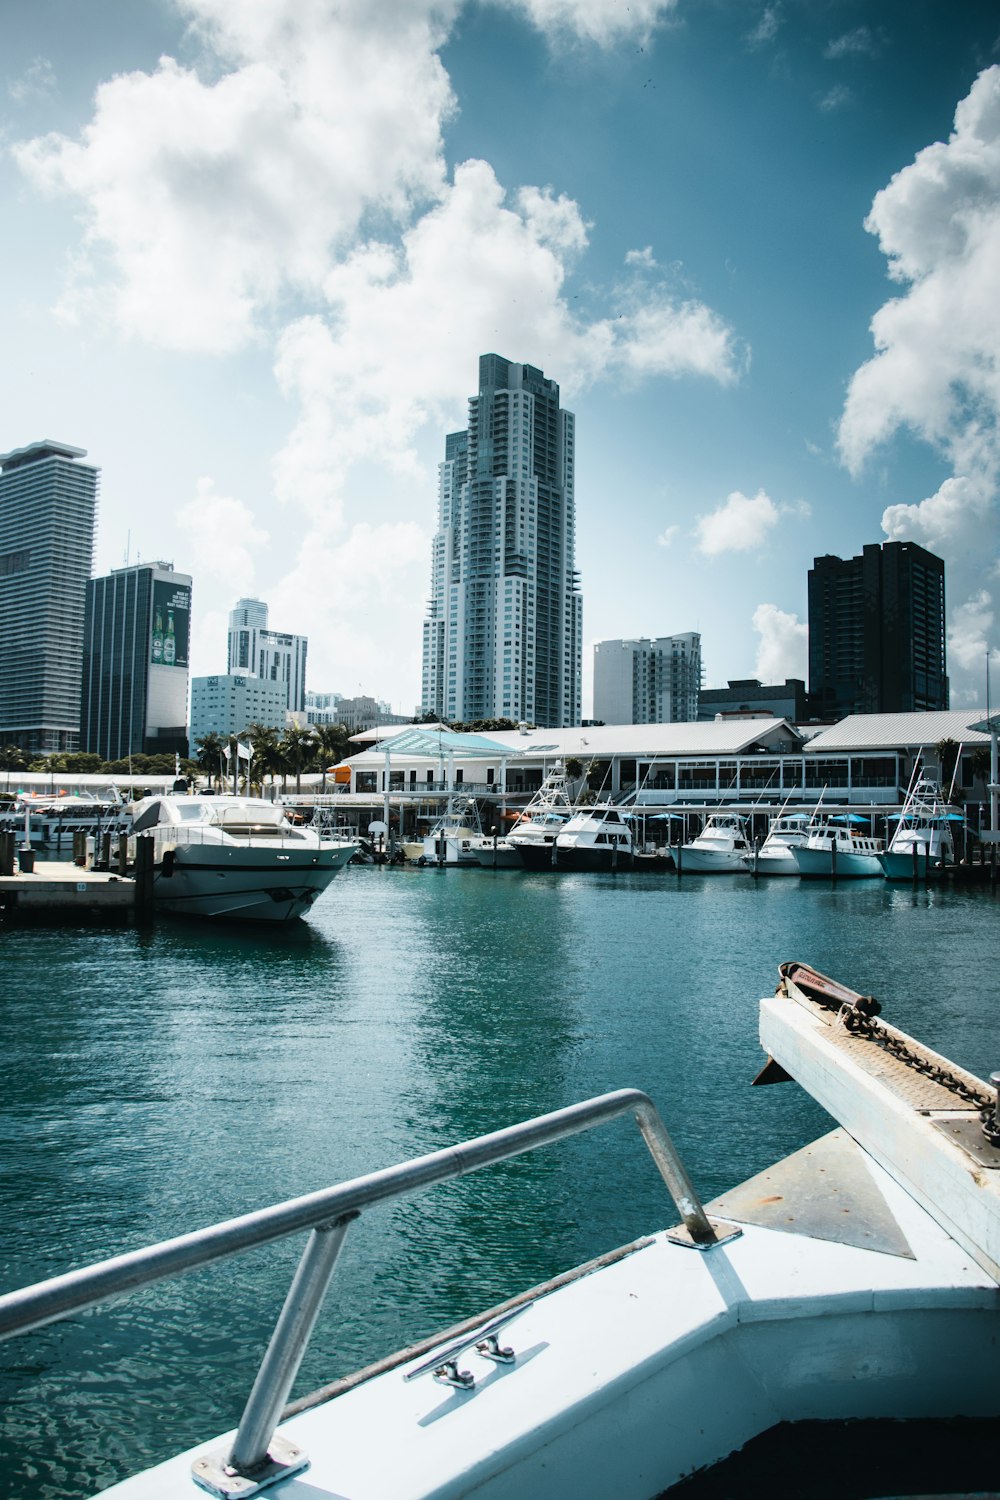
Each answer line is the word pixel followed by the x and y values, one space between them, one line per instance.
pixel 158 1081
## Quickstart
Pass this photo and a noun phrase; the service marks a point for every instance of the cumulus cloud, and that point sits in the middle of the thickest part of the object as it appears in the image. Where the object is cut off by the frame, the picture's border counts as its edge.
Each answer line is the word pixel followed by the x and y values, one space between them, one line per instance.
pixel 783 647
pixel 741 524
pixel 222 537
pixel 936 369
pixel 404 325
pixel 969 632
pixel 600 21
pixel 952 516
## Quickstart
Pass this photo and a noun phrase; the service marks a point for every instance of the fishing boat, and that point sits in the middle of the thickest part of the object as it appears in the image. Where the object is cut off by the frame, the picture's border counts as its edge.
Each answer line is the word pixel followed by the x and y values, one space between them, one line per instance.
pixel 837 849
pixel 597 837
pixel 787 832
pixel 542 821
pixel 719 849
pixel 235 857
pixel 854 1281
pixel 922 846
pixel 452 839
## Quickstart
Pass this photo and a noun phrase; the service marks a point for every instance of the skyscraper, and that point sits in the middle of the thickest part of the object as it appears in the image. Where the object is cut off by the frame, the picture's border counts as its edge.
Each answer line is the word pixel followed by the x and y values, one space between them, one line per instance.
pixel 876 632
pixel 648 682
pixel 271 654
pixel 134 697
pixel 503 632
pixel 48 502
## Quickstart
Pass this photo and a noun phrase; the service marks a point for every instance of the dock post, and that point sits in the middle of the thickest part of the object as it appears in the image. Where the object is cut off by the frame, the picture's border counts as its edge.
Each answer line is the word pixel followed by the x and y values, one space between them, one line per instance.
pixel 123 854
pixel 6 854
pixel 144 879
pixel 105 851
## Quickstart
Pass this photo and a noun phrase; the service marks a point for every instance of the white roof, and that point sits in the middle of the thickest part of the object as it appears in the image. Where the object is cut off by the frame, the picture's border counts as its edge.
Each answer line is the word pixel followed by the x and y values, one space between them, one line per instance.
pixel 899 731
pixel 716 737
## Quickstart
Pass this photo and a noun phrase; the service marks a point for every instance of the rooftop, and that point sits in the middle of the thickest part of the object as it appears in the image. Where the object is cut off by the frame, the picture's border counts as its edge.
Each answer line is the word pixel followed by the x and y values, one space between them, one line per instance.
pixel 47 448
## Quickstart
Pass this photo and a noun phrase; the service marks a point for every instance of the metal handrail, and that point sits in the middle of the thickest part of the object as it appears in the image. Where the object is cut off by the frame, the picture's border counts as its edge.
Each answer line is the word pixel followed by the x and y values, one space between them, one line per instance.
pixel 327 1214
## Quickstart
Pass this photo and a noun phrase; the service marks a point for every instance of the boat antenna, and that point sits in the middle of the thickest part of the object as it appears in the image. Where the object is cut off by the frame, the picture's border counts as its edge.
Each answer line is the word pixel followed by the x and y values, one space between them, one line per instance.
pixel 958 762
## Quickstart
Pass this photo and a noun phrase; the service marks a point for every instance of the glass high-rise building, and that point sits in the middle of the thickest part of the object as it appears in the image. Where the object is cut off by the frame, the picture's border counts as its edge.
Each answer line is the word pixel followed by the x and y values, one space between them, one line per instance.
pixel 48 504
pixel 136 654
pixel 877 632
pixel 503 633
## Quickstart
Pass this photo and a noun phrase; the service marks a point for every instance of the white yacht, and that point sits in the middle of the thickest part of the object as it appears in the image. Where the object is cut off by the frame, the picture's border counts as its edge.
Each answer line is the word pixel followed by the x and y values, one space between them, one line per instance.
pixel 235 857
pixel 544 818
pixel 453 838
pixel 50 822
pixel 837 849
pixel 857 1279
pixel 719 848
pixel 922 846
pixel 786 833
pixel 594 838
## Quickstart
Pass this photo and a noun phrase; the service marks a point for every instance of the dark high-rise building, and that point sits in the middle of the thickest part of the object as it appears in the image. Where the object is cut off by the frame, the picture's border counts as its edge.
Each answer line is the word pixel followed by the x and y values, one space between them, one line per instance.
pixel 876 632
pixel 135 662
pixel 503 634
pixel 48 502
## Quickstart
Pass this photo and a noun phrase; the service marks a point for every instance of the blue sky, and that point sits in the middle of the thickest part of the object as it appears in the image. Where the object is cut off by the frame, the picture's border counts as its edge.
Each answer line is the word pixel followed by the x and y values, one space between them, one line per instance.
pixel 253 250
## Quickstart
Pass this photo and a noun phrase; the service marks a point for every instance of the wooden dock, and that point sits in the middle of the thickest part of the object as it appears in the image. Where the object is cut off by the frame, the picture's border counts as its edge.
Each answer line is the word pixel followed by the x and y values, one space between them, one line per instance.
pixel 60 891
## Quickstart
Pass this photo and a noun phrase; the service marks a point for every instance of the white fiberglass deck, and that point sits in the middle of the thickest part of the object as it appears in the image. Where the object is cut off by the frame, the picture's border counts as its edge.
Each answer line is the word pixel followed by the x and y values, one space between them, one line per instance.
pixel 630 1377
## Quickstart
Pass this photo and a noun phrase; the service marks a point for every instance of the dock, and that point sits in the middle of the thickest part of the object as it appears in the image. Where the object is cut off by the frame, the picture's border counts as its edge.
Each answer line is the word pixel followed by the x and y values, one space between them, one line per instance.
pixel 60 891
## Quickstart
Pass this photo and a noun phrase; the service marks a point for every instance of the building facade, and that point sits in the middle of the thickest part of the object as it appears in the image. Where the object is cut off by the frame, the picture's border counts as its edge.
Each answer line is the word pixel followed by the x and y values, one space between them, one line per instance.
pixel 877 632
pixel 648 681
pixel 136 652
pixel 750 698
pixel 274 655
pixel 48 505
pixel 230 702
pixel 503 633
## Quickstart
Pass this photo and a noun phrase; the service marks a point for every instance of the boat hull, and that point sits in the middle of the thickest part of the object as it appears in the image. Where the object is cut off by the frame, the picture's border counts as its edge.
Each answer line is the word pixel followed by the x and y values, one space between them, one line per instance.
pixel 776 862
pixel 818 864
pixel 244 884
pixel 710 861
pixel 901 866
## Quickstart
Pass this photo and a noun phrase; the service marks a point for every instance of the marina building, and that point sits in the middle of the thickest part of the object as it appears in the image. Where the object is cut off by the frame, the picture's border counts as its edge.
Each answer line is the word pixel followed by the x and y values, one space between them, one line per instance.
pixel 48 503
pixel 503 632
pixel 133 697
pixel 876 632
pixel 647 682
pixel 275 656
pixel 230 702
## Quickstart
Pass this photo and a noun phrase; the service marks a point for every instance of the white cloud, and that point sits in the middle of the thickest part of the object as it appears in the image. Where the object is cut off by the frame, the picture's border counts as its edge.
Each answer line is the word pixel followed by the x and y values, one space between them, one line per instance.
pixel 969 632
pixel 936 369
pixel 836 98
pixel 643 258
pixel 667 536
pixel 947 520
pixel 38 81
pixel 600 21
pixel 741 524
pixel 857 43
pixel 211 201
pixel 783 648
pixel 222 536
pixel 405 326
pixel 767 27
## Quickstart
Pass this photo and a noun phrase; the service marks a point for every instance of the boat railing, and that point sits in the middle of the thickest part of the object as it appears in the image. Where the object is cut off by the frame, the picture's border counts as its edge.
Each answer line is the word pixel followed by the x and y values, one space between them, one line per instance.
pixel 256 1453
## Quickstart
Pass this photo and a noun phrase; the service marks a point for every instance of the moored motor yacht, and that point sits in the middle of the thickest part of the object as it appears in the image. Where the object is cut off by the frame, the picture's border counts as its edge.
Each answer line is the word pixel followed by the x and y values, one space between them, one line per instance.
pixel 234 857
pixel 719 848
pixel 922 846
pixel 787 832
pixel 852 1281
pixel 837 849
pixel 453 838
pixel 594 838
pixel 544 818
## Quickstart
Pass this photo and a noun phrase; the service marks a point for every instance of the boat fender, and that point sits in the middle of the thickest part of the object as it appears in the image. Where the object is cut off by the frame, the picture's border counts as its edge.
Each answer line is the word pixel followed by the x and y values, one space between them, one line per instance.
pixel 422 860
pixel 167 863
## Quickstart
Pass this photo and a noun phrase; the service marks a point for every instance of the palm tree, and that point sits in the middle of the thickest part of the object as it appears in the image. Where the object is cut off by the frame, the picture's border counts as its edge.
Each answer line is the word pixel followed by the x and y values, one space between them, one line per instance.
pixel 298 747
pixel 267 753
pixel 209 757
pixel 332 741
pixel 13 758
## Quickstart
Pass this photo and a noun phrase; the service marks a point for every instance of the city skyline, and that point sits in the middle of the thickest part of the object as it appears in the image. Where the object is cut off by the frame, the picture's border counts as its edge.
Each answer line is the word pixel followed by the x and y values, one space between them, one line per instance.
pixel 753 243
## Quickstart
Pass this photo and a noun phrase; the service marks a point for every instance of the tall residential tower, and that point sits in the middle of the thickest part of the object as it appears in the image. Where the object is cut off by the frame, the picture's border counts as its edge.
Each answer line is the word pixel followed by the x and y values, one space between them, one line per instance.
pixel 502 637
pixel 48 502
pixel 876 632
pixel 274 655
pixel 648 682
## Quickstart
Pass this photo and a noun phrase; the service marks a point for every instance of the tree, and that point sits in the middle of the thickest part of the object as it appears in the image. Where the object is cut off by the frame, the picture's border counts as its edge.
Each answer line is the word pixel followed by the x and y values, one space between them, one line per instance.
pixel 298 747
pixel 332 744
pixel 209 757
pixel 13 758
pixel 947 752
pixel 267 757
pixel 980 764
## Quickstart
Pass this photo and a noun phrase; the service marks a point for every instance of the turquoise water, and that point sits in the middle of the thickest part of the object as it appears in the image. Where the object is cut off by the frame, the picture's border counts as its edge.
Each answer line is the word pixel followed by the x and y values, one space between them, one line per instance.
pixel 155 1082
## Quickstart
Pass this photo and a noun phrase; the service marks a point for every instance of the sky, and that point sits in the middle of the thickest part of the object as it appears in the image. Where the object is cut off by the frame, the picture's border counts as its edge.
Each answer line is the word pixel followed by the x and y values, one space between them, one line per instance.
pixel 253 249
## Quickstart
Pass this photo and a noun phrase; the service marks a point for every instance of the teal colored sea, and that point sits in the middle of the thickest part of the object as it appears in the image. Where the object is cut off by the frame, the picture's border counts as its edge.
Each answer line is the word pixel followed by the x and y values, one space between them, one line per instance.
pixel 155 1082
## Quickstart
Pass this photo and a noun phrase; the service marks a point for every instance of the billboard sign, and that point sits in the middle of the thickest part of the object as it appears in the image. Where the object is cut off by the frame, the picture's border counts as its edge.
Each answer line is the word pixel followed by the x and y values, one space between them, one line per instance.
pixel 171 633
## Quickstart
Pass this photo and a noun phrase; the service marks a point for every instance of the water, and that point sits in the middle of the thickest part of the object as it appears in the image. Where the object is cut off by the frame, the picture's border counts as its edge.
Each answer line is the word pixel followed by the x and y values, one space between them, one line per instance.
pixel 156 1082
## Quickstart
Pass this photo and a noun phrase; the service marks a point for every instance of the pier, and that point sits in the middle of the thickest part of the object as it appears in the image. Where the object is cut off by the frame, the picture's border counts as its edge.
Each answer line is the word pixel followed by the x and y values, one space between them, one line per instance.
pixel 61 891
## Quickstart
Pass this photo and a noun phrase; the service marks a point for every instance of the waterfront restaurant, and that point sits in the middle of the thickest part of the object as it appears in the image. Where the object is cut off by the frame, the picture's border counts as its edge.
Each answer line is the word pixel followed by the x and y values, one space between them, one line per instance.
pixel 865 760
